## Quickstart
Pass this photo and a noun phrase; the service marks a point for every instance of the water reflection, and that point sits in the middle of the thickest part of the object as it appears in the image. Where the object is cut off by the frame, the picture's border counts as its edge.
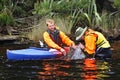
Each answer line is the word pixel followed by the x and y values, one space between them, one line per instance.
pixel 53 71
pixel 88 69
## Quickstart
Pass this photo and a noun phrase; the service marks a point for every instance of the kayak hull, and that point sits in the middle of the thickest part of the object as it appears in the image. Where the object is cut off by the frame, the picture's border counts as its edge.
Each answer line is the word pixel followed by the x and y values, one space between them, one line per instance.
pixel 31 53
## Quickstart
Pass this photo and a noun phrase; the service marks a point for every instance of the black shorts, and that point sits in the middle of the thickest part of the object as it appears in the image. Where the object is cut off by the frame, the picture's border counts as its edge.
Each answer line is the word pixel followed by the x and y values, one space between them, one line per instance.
pixel 103 53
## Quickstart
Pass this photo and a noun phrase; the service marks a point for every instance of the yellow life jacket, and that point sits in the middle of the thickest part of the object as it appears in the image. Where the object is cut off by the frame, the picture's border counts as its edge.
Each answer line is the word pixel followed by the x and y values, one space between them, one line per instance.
pixel 94 40
pixel 101 41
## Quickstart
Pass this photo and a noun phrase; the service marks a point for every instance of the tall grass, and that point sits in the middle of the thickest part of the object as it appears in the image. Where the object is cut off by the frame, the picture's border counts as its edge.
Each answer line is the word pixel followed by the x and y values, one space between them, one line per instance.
pixel 110 20
pixel 37 32
pixel 92 15
pixel 67 14
pixel 70 14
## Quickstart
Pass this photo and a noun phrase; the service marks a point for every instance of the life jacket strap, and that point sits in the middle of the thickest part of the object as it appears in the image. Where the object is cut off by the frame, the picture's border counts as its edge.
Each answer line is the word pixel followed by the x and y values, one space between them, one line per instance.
pixel 101 43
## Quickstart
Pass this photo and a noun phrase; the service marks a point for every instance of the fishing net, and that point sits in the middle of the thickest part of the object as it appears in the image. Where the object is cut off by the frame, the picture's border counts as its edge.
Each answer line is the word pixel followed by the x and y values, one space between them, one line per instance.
pixel 78 54
pixel 74 54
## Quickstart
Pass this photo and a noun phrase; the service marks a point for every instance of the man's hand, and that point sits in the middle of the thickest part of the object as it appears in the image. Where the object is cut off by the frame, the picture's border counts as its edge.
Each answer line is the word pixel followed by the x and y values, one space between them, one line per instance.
pixel 81 46
pixel 63 51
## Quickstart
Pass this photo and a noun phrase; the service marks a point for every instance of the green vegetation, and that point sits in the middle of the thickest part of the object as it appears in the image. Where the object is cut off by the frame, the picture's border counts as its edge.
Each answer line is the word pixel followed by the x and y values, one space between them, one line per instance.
pixel 76 12
pixel 117 3
pixel 68 15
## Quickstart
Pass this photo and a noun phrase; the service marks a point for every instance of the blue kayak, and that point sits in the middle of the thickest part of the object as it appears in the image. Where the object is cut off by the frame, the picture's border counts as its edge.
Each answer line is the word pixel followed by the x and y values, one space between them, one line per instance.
pixel 31 53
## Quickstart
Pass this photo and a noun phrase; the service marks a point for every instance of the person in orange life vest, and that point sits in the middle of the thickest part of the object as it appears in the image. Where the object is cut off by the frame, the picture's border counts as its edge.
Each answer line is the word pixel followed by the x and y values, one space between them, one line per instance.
pixel 54 38
pixel 95 43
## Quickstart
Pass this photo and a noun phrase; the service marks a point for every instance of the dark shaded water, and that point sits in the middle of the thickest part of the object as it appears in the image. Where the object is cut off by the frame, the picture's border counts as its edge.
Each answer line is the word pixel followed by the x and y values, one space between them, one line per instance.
pixel 59 69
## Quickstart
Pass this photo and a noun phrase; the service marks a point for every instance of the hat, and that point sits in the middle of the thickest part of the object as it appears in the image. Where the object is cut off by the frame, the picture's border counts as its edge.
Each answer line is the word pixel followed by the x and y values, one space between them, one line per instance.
pixel 79 32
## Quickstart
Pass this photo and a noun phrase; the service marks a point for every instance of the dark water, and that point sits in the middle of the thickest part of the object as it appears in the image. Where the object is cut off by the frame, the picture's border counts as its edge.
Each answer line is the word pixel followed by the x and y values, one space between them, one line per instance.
pixel 59 69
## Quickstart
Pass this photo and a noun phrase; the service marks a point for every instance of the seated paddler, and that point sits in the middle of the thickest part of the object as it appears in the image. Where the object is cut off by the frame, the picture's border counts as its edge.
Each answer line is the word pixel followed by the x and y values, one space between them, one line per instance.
pixel 55 38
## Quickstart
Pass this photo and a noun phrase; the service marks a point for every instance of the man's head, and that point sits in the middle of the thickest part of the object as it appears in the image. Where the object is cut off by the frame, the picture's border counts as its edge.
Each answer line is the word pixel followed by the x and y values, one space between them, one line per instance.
pixel 80 32
pixel 50 24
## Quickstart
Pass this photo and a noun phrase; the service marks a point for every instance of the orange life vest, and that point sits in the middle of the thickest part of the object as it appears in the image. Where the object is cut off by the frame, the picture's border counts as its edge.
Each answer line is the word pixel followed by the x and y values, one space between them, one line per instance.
pixel 57 44
pixel 94 40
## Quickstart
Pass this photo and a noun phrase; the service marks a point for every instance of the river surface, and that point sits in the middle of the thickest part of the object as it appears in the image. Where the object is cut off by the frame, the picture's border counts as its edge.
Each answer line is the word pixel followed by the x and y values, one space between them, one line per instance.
pixel 88 69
